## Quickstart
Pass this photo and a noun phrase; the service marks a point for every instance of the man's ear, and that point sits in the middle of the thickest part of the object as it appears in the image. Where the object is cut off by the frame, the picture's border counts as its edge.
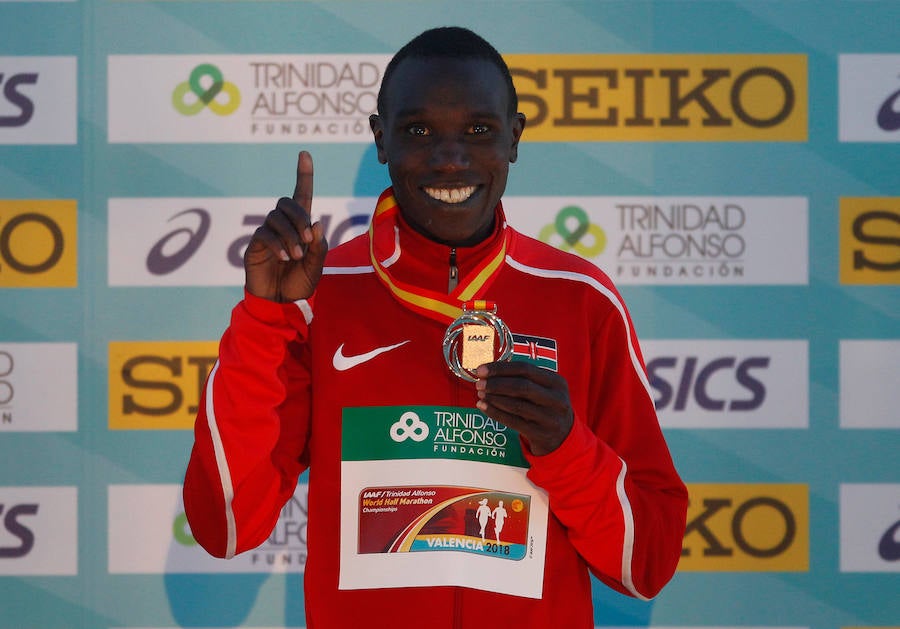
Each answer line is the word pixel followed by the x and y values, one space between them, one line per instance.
pixel 378 132
pixel 518 126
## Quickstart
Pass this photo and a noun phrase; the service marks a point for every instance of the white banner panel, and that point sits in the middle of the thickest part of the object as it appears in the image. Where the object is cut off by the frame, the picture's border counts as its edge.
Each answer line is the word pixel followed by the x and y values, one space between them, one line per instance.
pixel 149 534
pixel 38 387
pixel 869 99
pixel 243 98
pixel 38 100
pixel 729 383
pixel 870 527
pixel 675 240
pixel 870 384
pixel 201 241
pixel 39 531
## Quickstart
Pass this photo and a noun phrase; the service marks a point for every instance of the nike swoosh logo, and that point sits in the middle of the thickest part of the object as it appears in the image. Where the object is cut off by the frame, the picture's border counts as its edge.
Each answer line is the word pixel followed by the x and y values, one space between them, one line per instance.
pixel 343 363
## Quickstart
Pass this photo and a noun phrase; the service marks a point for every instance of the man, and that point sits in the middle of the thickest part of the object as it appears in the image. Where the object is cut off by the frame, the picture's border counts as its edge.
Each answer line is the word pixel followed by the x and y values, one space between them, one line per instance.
pixel 498 515
pixel 483 513
pixel 336 364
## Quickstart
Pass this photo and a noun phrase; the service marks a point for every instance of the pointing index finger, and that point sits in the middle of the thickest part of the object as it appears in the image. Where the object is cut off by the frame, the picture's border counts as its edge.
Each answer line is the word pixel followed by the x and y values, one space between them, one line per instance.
pixel 303 190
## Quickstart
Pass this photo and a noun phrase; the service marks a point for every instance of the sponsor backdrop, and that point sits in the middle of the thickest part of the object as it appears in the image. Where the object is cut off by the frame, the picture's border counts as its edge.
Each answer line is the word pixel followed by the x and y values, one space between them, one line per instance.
pixel 733 166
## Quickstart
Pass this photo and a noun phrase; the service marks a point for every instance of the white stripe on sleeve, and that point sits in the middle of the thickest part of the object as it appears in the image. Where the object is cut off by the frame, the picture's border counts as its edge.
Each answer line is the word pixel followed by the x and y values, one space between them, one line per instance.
pixel 222 464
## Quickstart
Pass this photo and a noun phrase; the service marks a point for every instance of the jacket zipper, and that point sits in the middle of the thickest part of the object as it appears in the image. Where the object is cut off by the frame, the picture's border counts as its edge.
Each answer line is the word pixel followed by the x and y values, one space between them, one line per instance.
pixel 454 272
pixel 452 282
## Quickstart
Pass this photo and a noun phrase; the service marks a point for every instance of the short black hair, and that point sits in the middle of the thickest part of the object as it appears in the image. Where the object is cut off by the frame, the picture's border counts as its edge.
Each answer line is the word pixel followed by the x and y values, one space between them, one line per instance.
pixel 449 42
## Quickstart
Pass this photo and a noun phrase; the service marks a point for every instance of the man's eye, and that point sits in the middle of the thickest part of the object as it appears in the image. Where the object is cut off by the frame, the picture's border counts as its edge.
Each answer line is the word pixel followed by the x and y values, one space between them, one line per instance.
pixel 418 129
pixel 478 129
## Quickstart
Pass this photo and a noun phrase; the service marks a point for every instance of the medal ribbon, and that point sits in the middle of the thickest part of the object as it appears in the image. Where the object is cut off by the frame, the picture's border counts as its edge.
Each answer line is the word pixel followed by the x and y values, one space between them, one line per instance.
pixel 441 307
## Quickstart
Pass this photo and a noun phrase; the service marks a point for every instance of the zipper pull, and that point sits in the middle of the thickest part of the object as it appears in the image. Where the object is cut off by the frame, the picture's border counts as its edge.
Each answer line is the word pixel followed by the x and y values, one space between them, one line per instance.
pixel 454 272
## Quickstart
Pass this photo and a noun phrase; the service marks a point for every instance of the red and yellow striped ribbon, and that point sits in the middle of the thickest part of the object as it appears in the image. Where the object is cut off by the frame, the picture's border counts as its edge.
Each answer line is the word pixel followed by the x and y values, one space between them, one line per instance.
pixel 441 307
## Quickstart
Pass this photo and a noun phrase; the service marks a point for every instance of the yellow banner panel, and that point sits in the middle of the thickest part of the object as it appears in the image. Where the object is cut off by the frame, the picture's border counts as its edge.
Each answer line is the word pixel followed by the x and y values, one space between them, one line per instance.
pixel 38 243
pixel 747 528
pixel 662 97
pixel 870 240
pixel 157 385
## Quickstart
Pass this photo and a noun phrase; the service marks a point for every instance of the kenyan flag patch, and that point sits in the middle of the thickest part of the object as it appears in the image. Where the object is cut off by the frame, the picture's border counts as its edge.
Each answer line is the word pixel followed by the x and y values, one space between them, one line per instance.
pixel 537 350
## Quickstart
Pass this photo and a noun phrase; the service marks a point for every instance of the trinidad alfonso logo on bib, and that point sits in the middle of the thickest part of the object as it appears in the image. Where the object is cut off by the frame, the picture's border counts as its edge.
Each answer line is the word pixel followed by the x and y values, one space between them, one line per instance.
pixel 458 432
pixel 436 495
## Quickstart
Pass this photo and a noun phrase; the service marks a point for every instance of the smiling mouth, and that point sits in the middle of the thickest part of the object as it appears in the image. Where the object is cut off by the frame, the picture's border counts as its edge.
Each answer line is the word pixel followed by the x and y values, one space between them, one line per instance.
pixel 451 195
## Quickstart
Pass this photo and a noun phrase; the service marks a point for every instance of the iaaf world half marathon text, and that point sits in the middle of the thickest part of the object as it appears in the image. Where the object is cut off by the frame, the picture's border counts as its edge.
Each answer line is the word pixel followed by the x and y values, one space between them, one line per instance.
pixel 316 99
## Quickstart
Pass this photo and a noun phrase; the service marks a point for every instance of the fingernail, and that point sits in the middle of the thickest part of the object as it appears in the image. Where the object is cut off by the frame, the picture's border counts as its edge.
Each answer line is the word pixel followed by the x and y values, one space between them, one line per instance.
pixel 298 251
pixel 284 255
pixel 481 405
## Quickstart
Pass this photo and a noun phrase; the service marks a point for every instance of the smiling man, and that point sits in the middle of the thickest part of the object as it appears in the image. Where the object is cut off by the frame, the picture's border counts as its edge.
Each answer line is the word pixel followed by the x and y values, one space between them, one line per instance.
pixel 448 144
pixel 439 362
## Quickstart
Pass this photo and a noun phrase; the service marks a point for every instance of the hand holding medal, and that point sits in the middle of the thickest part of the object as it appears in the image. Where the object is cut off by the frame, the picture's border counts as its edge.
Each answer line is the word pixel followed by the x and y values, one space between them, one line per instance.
pixel 533 401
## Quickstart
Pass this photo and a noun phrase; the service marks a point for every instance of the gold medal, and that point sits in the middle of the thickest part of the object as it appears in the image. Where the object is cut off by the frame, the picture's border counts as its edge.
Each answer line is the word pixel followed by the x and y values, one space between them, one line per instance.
pixel 476 337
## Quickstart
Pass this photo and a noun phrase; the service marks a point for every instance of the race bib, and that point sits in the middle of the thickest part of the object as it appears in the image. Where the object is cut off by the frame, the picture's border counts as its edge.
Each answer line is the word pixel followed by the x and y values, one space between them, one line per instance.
pixel 438 496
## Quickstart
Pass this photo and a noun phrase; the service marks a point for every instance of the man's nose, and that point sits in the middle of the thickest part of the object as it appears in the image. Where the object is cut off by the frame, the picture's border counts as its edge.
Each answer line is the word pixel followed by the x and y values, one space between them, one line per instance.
pixel 450 154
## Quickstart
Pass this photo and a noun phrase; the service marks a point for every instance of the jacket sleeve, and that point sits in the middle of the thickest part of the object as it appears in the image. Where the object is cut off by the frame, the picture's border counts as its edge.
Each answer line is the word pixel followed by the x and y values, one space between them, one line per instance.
pixel 612 482
pixel 251 431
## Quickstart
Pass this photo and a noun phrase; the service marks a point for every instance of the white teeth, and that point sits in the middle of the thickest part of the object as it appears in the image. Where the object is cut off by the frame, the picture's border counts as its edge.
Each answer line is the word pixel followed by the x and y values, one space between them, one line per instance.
pixel 450 195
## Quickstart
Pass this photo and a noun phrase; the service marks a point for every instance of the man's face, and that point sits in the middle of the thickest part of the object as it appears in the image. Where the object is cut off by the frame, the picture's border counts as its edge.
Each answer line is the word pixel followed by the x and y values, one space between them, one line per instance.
pixel 448 140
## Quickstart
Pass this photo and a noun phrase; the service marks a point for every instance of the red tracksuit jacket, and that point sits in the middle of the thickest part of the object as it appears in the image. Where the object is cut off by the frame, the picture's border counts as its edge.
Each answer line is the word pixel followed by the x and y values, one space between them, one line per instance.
pixel 353 385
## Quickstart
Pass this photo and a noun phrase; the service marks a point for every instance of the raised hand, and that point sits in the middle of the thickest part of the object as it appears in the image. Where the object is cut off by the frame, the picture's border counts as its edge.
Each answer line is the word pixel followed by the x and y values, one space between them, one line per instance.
pixel 284 259
pixel 530 400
